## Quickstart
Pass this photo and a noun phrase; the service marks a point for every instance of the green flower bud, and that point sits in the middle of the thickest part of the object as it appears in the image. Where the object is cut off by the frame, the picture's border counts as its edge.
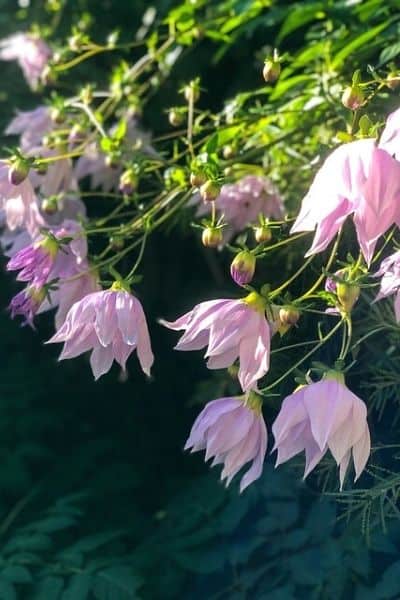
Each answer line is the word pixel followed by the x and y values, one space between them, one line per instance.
pixel 262 234
pixel 348 294
pixel 212 237
pixel 243 267
pixel 271 71
pixel 289 315
pixel 210 190
pixel 353 97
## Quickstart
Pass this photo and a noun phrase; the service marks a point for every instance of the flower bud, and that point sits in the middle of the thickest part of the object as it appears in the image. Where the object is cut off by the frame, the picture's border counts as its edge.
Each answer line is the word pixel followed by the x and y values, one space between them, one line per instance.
pixel 393 80
pixel 175 117
pixel 243 267
pixel 289 315
pixel 228 151
pixel 111 161
pixel 262 234
pixel 353 97
pixel 128 182
pixel 41 168
pixel 211 237
pixel 76 134
pixel 49 206
pixel 116 242
pixel 57 115
pixel 197 178
pixel 271 70
pixel 347 294
pixel 191 92
pixel 18 171
pixel 210 190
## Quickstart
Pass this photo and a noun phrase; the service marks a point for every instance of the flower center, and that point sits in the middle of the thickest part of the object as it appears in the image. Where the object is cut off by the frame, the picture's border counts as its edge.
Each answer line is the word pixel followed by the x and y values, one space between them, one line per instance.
pixel 256 302
pixel 253 401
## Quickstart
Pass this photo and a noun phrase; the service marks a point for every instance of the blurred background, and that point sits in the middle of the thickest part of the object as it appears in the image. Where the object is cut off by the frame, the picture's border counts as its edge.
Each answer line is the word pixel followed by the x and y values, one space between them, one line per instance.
pixel 97 498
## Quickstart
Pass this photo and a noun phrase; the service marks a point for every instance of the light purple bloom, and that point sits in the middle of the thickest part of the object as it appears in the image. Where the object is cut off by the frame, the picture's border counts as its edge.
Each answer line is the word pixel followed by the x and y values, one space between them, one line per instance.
pixel 31 52
pixel 242 202
pixel 31 126
pixel 34 262
pixel 357 178
pixel 321 416
pixel 231 329
pixel 389 272
pixel 19 203
pixel 232 431
pixel 27 303
pixel 112 324
pixel 390 137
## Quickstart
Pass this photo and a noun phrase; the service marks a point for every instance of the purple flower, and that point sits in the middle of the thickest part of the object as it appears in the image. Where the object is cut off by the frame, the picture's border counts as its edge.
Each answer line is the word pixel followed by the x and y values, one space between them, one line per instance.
pixel 357 178
pixel 233 431
pixel 321 416
pixel 389 272
pixel 390 137
pixel 27 303
pixel 32 126
pixel 35 261
pixel 19 203
pixel 31 52
pixel 231 329
pixel 112 324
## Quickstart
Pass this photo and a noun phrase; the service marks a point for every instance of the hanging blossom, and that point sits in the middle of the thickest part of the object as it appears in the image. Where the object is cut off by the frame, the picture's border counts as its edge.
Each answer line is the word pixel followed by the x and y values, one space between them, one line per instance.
pixel 359 179
pixel 233 431
pixel 242 202
pixel 389 272
pixel 27 303
pixel 110 323
pixel 31 126
pixel 390 137
pixel 19 203
pixel 231 330
pixel 31 52
pixel 321 416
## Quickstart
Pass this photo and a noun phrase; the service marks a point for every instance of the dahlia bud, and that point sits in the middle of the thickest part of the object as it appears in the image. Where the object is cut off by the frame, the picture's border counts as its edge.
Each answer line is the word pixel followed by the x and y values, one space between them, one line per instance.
pixel 271 70
pixel 18 171
pixel 111 161
pixel 210 190
pixel 262 234
pixel 243 267
pixel 76 134
pixel 191 91
pixel 128 182
pixel 393 80
pixel 289 315
pixel 49 205
pixel 353 97
pixel 347 294
pixel 228 151
pixel 211 237
pixel 197 178
pixel 175 117
pixel 57 115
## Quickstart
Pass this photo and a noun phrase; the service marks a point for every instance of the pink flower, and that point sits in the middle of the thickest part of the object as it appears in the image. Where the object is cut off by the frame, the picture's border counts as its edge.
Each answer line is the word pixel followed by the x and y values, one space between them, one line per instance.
pixel 31 52
pixel 321 416
pixel 357 178
pixel 35 261
pixel 27 303
pixel 32 126
pixel 389 272
pixel 112 324
pixel 68 291
pixel 231 329
pixel 19 203
pixel 232 430
pixel 390 137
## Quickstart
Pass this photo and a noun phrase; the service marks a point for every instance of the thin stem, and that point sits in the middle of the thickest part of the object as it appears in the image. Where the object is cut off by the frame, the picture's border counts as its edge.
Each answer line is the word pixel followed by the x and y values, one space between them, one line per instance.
pixel 90 115
pixel 139 258
pixel 327 267
pixel 284 285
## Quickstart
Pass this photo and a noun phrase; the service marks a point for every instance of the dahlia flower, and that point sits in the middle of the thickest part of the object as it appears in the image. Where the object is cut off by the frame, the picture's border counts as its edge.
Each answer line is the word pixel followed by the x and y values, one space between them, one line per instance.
pixel 111 324
pixel 321 416
pixel 19 203
pixel 230 329
pixel 389 272
pixel 233 431
pixel 27 303
pixel 357 178
pixel 31 52
pixel 31 126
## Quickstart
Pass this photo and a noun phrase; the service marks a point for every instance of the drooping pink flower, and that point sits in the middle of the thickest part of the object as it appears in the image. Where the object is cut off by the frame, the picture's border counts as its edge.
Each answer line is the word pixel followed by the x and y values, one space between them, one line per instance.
pixel 231 329
pixel 112 324
pixel 19 203
pixel 27 303
pixel 31 126
pixel 357 178
pixel 242 202
pixel 35 261
pixel 321 416
pixel 389 272
pixel 390 137
pixel 233 431
pixel 31 52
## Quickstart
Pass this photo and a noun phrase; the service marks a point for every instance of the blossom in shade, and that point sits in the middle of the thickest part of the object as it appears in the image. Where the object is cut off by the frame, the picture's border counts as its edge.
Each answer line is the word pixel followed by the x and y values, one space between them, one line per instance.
pixel 242 202
pixel 389 272
pixel 110 323
pixel 31 126
pixel 68 291
pixel 359 179
pixel 19 203
pixel 390 137
pixel 31 52
pixel 233 432
pixel 35 261
pixel 231 329
pixel 321 416
pixel 27 303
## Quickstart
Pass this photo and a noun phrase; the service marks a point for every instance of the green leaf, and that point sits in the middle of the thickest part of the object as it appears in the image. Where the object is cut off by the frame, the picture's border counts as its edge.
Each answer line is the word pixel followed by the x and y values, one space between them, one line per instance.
pixel 16 574
pixel 299 16
pixel 389 53
pixel 49 588
pixel 120 131
pixel 7 591
pixel 78 587
pixel 106 144
pixel 357 43
pixel 116 582
pixel 389 585
pixel 51 524
pixel 212 144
